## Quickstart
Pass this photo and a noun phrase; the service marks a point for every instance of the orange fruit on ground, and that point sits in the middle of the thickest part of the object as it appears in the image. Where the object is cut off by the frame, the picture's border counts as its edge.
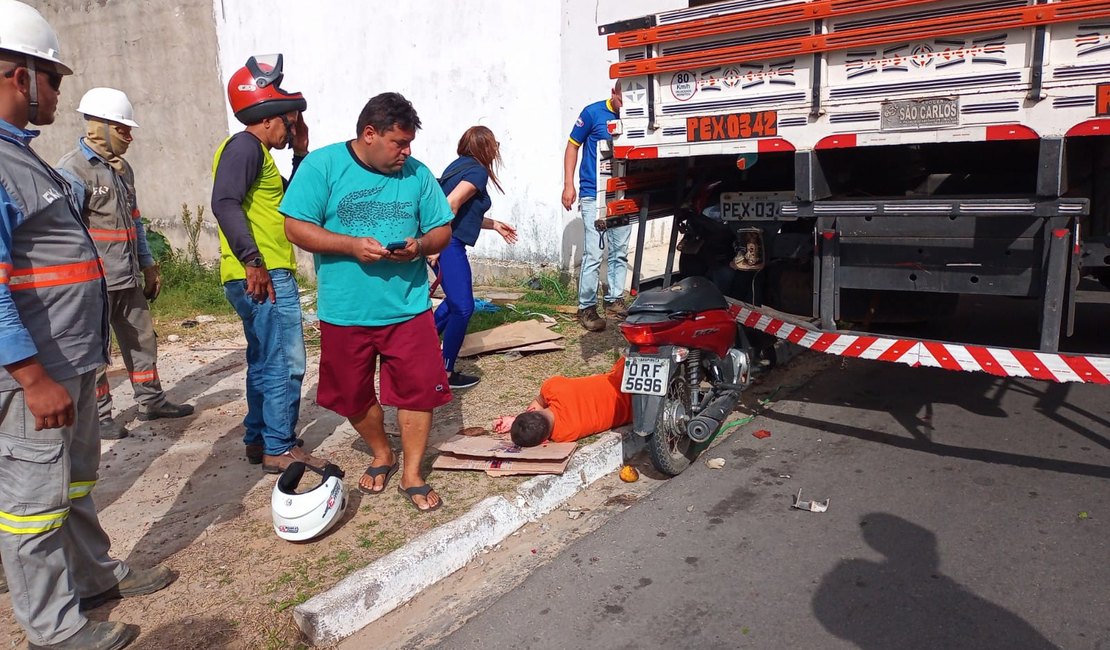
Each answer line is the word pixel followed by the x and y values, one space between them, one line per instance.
pixel 629 474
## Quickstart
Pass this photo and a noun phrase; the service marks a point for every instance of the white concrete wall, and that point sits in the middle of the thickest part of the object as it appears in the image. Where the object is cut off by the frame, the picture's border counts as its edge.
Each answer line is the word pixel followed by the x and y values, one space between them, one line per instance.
pixel 163 55
pixel 524 69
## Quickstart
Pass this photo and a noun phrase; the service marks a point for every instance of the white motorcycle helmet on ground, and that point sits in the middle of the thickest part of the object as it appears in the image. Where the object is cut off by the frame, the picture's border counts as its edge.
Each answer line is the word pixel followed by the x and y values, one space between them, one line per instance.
pixel 300 516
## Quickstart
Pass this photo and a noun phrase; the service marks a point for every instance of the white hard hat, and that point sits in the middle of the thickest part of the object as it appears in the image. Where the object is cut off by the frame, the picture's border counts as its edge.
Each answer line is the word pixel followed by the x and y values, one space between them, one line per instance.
pixel 24 30
pixel 300 517
pixel 109 104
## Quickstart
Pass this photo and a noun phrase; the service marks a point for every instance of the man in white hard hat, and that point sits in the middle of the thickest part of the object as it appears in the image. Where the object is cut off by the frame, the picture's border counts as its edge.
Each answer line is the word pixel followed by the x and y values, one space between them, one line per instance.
pixel 53 334
pixel 111 211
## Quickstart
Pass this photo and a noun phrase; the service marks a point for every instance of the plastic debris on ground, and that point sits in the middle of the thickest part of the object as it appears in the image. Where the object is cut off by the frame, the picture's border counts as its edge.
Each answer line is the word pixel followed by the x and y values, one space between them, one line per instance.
pixel 810 506
pixel 761 434
pixel 481 305
pixel 715 463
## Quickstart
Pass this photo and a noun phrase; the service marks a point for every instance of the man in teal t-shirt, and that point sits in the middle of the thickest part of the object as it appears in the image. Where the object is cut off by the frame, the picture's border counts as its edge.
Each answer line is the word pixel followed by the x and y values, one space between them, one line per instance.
pixel 370 214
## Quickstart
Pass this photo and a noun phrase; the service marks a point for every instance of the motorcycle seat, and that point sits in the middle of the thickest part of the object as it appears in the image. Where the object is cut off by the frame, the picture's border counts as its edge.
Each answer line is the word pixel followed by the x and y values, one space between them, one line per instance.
pixel 691 294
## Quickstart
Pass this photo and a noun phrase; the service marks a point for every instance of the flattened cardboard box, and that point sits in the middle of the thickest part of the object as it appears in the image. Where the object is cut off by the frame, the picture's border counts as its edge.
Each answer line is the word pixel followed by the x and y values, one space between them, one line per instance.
pixel 497 447
pixel 500 467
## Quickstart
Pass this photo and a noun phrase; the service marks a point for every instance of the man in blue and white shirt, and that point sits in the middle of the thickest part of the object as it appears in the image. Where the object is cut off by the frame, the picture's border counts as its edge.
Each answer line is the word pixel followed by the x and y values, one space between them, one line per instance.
pixel 589 129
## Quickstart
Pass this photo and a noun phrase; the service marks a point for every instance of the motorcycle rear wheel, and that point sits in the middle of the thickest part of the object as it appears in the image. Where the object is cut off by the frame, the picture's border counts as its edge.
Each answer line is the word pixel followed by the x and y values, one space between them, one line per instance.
pixel 671 450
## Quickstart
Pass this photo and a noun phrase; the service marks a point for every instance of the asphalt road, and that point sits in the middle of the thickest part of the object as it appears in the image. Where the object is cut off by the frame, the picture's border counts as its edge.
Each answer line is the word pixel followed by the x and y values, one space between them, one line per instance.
pixel 966 511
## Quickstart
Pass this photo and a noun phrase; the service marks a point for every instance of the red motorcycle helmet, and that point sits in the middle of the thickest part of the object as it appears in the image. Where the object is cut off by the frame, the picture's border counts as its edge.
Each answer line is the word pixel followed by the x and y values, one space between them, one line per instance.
pixel 255 93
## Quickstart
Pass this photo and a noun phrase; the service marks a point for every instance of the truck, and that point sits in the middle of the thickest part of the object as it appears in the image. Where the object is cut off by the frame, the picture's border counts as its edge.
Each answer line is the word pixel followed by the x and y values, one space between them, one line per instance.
pixel 844 167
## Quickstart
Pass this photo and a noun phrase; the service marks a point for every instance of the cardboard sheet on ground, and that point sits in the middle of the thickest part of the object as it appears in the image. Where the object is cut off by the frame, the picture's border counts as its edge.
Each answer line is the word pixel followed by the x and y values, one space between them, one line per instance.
pixel 500 466
pixel 504 337
pixel 546 346
pixel 498 447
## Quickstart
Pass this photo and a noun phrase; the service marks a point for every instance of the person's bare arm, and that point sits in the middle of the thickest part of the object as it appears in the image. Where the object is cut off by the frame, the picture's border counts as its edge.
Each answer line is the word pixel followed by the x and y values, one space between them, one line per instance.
pixel 317 239
pixel 570 158
pixel 537 404
pixel 430 243
pixel 462 193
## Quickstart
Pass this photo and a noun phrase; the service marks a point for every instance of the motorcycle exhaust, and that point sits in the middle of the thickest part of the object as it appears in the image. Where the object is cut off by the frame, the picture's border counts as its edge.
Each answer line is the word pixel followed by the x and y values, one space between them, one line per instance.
pixel 702 426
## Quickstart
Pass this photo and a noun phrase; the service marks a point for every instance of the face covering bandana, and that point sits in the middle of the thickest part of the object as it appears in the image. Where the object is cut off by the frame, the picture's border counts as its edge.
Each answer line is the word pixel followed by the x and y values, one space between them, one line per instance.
pixel 107 142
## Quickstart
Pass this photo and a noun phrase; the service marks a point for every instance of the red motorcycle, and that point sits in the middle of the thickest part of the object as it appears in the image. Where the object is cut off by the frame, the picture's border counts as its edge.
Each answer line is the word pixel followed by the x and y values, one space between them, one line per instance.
pixel 687 363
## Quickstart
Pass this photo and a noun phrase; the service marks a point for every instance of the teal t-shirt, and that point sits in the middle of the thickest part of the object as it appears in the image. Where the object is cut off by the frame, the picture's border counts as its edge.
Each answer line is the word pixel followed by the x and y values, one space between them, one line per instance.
pixel 333 189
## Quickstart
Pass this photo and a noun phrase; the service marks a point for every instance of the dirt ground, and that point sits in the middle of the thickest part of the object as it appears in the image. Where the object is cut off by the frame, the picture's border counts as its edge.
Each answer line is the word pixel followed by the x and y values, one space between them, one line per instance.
pixel 181 492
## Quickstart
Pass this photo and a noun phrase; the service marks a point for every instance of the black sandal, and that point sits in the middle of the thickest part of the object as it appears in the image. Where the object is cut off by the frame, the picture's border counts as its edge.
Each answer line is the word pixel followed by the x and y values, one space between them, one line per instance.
pixel 375 472
pixel 420 490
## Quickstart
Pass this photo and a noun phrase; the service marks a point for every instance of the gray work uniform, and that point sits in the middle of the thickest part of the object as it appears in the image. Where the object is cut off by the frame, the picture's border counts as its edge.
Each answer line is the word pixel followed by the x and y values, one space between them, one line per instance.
pixel 110 210
pixel 53 548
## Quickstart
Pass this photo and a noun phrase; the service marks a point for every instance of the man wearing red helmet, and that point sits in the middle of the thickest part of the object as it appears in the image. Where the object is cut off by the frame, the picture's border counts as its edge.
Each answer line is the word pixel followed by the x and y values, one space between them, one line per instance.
pixel 257 261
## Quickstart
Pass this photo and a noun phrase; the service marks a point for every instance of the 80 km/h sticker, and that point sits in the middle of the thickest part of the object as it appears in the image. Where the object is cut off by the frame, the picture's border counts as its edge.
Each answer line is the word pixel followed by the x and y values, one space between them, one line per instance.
pixel 684 85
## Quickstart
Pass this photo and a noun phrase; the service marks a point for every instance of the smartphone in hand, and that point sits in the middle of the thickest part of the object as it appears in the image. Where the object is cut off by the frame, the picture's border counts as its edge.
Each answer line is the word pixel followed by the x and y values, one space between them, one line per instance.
pixel 396 245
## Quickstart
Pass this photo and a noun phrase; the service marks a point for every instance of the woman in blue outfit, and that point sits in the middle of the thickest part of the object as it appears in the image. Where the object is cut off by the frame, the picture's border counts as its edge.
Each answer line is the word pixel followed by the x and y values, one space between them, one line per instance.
pixel 465 182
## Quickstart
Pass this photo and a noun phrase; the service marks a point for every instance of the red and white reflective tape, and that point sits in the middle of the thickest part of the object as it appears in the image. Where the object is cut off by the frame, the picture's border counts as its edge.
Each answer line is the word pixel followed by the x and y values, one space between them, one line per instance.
pixel 1003 362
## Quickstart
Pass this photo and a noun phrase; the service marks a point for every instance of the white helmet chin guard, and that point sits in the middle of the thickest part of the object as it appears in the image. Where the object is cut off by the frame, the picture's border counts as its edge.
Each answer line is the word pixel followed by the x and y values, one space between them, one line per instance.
pixel 299 517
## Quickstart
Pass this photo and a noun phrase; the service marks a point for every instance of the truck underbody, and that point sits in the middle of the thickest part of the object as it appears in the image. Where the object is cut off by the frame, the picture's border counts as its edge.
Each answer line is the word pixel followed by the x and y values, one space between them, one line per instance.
pixel 842 196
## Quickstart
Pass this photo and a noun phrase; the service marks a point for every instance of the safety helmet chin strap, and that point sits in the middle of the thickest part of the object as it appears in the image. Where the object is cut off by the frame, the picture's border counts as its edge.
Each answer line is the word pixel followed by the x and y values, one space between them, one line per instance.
pixel 33 107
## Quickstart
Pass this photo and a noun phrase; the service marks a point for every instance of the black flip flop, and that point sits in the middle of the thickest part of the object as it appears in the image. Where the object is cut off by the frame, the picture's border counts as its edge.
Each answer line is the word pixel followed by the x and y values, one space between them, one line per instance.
pixel 375 472
pixel 419 490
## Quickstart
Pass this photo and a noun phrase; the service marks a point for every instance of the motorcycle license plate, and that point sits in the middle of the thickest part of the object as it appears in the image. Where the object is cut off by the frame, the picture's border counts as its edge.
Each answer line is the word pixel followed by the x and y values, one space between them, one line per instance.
pixel 645 376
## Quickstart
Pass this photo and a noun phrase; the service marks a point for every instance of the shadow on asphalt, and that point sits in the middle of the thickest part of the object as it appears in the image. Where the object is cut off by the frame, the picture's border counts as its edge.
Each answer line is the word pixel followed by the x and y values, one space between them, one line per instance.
pixel 909 397
pixel 938 449
pixel 904 601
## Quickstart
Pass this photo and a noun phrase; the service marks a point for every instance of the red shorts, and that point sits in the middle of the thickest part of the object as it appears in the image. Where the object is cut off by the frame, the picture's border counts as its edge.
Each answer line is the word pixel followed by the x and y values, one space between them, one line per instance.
pixel 412 374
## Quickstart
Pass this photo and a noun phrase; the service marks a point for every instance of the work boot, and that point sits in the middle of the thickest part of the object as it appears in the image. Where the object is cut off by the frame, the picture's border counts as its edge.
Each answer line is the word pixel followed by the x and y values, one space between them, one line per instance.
pixel 96 635
pixel 617 309
pixel 254 452
pixel 589 319
pixel 165 410
pixel 112 430
pixel 277 464
pixel 137 582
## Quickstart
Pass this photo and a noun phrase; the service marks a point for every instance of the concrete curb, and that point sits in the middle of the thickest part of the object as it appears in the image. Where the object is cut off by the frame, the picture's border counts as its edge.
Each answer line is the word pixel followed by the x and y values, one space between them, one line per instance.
pixel 375 590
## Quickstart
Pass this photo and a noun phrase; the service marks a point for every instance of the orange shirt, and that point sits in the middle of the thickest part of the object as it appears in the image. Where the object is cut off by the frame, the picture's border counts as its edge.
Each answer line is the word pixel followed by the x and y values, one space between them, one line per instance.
pixel 583 406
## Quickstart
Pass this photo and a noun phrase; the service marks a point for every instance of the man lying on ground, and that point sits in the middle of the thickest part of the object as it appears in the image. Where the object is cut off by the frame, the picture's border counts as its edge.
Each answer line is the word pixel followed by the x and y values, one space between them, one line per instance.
pixel 569 409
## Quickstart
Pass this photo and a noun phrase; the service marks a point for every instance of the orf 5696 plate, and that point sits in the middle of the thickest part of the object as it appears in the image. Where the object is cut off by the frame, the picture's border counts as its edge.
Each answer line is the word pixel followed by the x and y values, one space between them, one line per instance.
pixel 913 114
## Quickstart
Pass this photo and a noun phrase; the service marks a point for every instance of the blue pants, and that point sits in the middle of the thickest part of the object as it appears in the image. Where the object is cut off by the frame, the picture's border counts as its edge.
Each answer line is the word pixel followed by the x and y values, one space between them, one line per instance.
pixel 453 314
pixel 275 361
pixel 616 261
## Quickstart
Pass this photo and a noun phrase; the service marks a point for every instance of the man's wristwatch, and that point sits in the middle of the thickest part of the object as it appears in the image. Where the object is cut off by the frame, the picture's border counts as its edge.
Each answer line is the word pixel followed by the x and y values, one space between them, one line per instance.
pixel 255 263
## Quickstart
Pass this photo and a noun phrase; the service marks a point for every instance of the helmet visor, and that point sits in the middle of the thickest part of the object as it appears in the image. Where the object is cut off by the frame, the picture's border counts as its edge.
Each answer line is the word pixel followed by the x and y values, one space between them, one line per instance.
pixel 266 69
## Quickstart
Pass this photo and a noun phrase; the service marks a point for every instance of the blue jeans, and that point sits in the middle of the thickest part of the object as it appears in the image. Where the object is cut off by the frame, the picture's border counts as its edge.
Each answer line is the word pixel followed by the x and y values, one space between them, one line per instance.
pixel 616 260
pixel 453 314
pixel 275 362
